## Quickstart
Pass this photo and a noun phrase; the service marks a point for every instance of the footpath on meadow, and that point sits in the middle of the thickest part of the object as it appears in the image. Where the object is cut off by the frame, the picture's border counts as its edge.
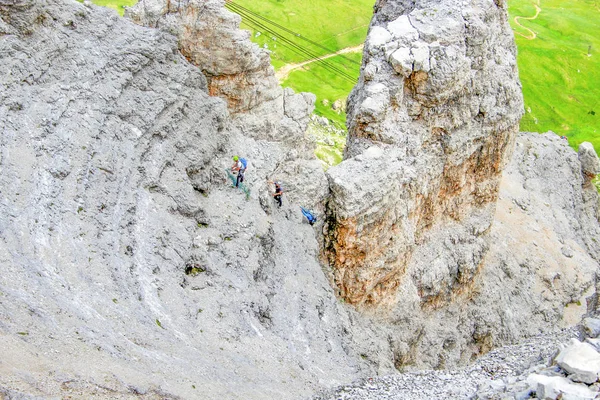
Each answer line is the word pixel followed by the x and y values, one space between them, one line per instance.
pixel 531 35
pixel 284 71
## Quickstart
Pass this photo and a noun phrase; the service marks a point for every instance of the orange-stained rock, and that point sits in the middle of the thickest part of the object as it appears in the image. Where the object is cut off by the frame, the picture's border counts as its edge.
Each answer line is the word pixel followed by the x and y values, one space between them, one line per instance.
pixel 439 96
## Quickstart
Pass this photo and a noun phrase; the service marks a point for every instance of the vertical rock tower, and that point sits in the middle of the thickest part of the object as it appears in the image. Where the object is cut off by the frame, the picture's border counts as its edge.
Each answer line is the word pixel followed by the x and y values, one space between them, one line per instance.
pixel 432 123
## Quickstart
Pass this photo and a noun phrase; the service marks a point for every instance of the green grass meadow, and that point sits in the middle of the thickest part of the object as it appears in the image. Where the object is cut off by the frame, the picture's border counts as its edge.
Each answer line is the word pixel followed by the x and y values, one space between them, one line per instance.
pixel 114 4
pixel 560 68
pixel 334 24
pixel 327 85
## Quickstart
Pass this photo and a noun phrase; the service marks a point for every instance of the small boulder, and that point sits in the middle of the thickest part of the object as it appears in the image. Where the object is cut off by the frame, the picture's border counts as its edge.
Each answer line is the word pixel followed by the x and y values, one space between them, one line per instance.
pixel 554 387
pixel 401 28
pixel 421 56
pixel 402 61
pixel 594 342
pixel 378 37
pixel 581 361
pixel 590 165
pixel 373 152
pixel 592 327
pixel 567 251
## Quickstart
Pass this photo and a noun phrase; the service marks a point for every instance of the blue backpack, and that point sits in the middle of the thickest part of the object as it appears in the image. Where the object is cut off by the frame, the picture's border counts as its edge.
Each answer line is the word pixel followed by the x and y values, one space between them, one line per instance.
pixel 244 162
pixel 309 216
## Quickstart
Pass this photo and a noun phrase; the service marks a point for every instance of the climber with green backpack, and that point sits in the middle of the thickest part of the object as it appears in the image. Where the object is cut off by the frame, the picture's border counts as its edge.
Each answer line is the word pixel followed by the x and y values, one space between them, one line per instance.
pixel 239 165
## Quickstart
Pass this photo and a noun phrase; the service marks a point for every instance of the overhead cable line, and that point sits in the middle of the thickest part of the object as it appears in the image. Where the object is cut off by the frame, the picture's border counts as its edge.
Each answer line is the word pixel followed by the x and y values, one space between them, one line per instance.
pixel 298 35
pixel 285 42
pixel 304 51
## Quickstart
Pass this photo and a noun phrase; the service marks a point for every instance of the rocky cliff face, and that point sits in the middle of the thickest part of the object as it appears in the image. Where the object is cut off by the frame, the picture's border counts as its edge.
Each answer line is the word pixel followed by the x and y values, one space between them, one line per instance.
pixel 539 272
pixel 130 267
pixel 413 234
pixel 240 72
pixel 431 125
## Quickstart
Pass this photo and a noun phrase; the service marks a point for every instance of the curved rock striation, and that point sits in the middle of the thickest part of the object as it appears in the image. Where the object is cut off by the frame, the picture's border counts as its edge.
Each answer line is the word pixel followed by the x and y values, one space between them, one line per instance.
pixel 431 123
pixel 130 267
pixel 240 72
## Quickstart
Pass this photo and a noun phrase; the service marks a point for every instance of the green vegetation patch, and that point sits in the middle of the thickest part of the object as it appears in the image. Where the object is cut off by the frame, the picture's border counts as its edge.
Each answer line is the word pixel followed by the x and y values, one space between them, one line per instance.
pixel 114 4
pixel 327 85
pixel 334 24
pixel 194 269
pixel 559 67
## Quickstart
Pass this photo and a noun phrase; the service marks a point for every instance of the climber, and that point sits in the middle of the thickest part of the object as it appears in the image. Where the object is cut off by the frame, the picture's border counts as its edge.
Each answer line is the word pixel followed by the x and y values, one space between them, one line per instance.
pixel 239 165
pixel 278 193
pixel 309 216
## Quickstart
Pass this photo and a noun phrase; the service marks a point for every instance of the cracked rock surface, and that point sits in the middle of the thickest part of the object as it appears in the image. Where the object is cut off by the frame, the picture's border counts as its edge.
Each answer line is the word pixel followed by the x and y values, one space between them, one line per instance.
pixel 130 267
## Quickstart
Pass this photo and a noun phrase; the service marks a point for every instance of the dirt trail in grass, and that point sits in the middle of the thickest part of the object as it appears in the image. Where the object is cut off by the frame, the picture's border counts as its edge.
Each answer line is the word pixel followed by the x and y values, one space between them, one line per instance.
pixel 532 35
pixel 284 71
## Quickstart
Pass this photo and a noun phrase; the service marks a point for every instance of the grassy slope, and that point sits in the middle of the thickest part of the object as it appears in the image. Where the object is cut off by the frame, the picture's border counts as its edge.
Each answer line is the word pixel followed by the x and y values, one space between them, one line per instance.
pixel 328 85
pixel 561 83
pixel 334 24
pixel 116 4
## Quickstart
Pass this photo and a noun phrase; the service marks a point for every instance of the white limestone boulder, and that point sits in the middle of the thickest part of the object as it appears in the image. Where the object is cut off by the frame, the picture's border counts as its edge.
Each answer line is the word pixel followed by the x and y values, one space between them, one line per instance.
pixel 378 36
pixel 401 28
pixel 402 61
pixel 581 361
pixel 554 387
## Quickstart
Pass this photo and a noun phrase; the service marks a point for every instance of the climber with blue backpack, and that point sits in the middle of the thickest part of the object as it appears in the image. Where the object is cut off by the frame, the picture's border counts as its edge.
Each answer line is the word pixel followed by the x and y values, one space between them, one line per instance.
pixel 240 165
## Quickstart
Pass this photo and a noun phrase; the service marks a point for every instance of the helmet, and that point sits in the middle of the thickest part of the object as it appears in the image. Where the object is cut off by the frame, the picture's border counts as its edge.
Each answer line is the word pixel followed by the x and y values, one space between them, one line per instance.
pixel 235 158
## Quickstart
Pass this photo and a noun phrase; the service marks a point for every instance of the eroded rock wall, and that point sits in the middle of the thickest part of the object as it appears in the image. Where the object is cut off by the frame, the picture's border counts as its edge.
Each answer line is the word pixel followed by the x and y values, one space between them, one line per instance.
pixel 240 72
pixel 431 124
pixel 539 274
pixel 416 233
pixel 130 266
pixel 209 37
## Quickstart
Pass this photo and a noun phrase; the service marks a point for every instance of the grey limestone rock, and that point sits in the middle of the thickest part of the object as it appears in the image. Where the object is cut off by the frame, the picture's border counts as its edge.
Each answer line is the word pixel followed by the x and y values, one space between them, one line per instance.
pixel 581 361
pixel 590 165
pixel 130 267
pixel 439 98
pixel 591 327
pixel 439 94
pixel 558 387
pixel 524 285
pixel 240 72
